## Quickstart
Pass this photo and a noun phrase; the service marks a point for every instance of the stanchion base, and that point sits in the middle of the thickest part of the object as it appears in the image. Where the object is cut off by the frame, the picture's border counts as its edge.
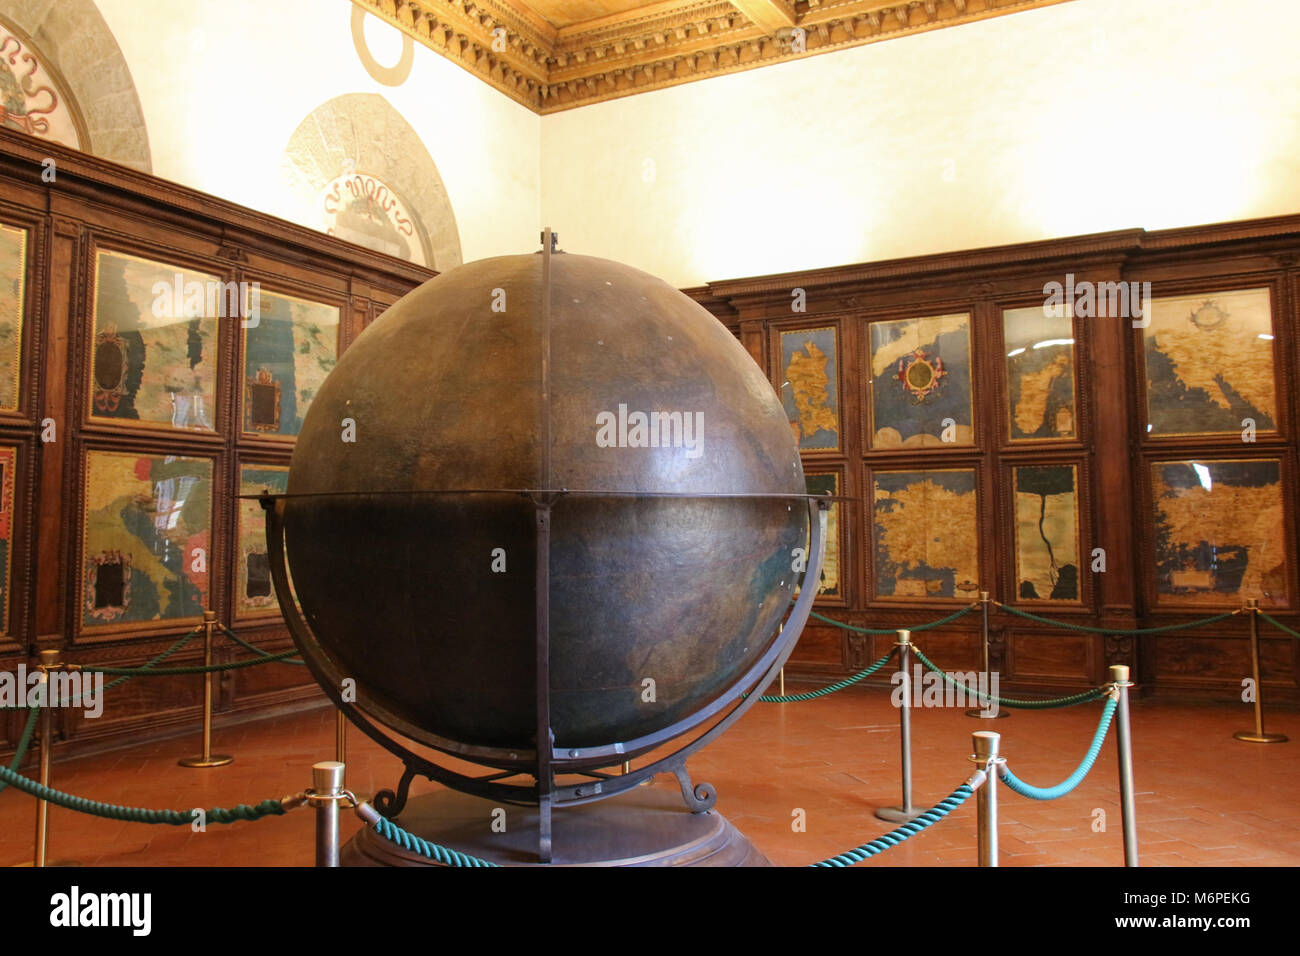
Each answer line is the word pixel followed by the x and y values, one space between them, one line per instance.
pixel 31 864
pixel 973 712
pixel 213 760
pixel 898 814
pixel 644 827
pixel 1253 738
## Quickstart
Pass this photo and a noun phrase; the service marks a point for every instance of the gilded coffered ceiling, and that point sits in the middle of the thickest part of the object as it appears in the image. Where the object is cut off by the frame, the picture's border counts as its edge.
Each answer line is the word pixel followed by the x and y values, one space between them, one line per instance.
pixel 553 55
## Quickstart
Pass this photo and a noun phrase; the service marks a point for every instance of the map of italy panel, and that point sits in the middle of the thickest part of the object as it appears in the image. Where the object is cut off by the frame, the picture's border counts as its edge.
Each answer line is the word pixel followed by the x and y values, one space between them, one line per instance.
pixel 925 531
pixel 147 537
pixel 828 484
pixel 154 354
pixel 8 461
pixel 1040 373
pixel 811 390
pixel 1209 362
pixel 1219 535
pixel 921 382
pixel 1047 533
pixel 289 348
pixel 254 590
pixel 13 279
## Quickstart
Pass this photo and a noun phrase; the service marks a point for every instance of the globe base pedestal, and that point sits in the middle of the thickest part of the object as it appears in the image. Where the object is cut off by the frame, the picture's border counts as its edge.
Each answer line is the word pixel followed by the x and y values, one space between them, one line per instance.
pixel 646 827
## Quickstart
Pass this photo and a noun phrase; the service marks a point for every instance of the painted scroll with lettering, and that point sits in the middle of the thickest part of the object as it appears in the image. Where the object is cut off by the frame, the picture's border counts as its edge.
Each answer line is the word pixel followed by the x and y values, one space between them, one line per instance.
pixel 1040 372
pixel 1047 533
pixel 289 348
pixel 154 351
pixel 147 533
pixel 8 460
pixel 1219 532
pixel 925 531
pixel 828 484
pixel 254 590
pixel 1209 364
pixel 13 281
pixel 921 382
pixel 811 389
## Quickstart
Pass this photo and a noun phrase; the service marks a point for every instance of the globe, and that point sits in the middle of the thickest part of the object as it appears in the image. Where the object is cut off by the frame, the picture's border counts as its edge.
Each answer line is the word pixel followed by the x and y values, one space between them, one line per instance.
pixel 594 432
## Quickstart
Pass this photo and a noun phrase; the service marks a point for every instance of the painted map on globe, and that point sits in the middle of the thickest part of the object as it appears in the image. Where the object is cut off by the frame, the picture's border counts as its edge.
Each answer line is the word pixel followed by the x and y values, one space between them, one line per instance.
pixel 926 534
pixel 147 537
pixel 1218 532
pixel 921 382
pixel 288 350
pixel 1209 362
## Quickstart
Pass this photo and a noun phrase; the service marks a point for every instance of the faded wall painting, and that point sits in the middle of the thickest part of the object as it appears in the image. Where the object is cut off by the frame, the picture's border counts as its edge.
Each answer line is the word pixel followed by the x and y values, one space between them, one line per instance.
pixel 1040 372
pixel 290 345
pixel 13 289
pixel 920 382
pixel 828 483
pixel 810 388
pixel 253 588
pixel 1047 533
pixel 925 530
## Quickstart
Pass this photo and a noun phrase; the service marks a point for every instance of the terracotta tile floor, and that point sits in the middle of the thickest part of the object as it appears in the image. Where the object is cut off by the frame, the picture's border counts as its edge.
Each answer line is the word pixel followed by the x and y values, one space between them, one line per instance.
pixel 1203 798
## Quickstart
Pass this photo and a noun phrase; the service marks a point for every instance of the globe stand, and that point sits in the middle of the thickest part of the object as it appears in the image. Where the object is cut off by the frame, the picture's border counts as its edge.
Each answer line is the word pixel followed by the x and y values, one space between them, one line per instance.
pixel 546 764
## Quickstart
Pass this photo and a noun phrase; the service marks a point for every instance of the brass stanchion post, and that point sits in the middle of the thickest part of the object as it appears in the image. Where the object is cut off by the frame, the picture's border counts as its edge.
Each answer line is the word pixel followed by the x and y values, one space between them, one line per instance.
pixel 325 794
pixel 207 758
pixel 782 679
pixel 1124 744
pixel 906 812
pixel 1257 736
pixel 985 711
pixel 986 798
pixel 50 662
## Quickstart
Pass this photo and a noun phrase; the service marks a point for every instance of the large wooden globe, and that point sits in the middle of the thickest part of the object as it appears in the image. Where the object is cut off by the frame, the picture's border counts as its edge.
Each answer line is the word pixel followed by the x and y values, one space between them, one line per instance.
pixel 413 547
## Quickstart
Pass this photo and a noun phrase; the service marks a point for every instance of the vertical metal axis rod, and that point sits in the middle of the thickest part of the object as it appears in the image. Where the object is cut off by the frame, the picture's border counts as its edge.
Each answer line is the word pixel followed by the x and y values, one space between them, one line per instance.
pixel 326 791
pixel 985 757
pixel 1257 736
pixel 1124 744
pixel 207 758
pixel 906 812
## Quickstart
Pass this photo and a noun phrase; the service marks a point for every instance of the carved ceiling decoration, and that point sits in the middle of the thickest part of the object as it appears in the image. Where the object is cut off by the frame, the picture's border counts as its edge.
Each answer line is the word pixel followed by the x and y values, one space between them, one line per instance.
pixel 553 55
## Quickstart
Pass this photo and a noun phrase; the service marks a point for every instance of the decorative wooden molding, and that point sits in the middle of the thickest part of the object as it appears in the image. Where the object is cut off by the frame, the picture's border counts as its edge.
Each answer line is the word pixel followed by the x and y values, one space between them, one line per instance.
pixel 518 51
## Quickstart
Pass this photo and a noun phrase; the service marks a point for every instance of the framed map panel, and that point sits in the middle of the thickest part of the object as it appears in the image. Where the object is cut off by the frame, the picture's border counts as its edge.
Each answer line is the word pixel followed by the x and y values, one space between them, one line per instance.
pixel 290 345
pixel 920 382
pixel 810 387
pixel 153 353
pixel 146 538
pixel 828 483
pixel 253 588
pixel 8 465
pixel 925 534
pixel 1040 372
pixel 1047 532
pixel 13 289
pixel 1209 364
pixel 1218 532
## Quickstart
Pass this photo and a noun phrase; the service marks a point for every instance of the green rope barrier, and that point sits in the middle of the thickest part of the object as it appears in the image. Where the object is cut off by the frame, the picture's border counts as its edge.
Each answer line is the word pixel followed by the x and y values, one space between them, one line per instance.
pixel 25 741
pixel 409 841
pixel 894 630
pixel 1082 697
pixel 1164 629
pixel 111 811
pixel 251 647
pixel 909 829
pixel 830 688
pixel 198 668
pixel 1278 624
pixel 1074 779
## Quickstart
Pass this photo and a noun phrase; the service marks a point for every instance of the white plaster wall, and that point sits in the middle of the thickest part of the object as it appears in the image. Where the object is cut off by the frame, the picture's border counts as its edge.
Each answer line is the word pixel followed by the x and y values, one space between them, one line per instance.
pixel 224 83
pixel 1081 117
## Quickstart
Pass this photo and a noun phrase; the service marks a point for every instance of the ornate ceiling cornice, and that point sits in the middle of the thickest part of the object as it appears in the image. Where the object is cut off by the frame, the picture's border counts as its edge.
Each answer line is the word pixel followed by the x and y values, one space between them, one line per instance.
pixel 514 48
